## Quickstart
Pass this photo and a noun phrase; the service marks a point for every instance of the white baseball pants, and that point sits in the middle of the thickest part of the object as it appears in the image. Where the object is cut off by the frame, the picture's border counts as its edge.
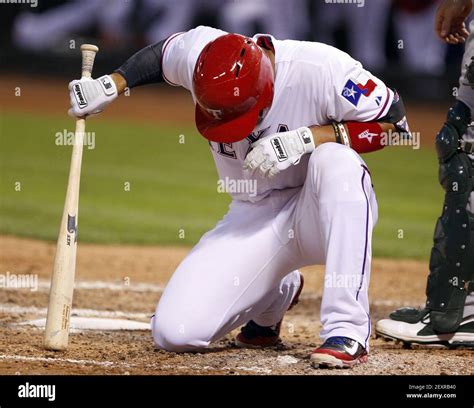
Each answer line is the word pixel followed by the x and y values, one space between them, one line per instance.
pixel 246 267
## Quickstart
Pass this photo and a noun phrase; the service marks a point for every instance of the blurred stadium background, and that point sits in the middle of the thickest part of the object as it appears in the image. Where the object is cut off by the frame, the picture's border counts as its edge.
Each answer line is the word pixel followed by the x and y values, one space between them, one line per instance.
pixel 140 183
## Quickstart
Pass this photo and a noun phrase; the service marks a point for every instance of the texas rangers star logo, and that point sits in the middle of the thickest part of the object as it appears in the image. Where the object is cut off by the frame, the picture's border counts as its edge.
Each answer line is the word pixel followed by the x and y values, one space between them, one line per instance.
pixel 353 91
pixel 349 92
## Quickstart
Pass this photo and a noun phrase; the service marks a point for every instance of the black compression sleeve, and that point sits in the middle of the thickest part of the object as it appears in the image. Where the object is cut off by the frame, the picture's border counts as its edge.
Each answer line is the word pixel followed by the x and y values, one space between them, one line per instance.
pixel 396 112
pixel 397 115
pixel 144 67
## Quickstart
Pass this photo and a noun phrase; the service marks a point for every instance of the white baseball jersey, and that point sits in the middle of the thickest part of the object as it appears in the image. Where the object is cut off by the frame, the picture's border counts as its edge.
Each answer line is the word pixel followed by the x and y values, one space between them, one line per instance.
pixel 315 84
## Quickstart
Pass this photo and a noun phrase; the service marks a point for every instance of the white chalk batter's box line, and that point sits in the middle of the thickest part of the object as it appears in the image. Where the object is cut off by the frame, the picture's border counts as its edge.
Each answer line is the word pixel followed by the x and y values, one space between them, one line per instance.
pixel 42 311
pixel 19 310
pixel 44 285
pixel 118 364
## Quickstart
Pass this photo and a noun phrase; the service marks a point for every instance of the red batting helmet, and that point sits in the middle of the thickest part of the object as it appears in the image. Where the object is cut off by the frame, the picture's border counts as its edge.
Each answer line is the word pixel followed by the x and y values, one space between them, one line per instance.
pixel 233 82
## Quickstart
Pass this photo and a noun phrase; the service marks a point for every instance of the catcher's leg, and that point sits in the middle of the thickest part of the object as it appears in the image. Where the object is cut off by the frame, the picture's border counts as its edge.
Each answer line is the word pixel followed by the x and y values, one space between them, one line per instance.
pixel 452 257
pixel 448 316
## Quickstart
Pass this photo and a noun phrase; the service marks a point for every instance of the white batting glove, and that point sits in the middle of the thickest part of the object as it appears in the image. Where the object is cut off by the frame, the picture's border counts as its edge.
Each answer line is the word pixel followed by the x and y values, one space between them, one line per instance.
pixel 89 96
pixel 277 152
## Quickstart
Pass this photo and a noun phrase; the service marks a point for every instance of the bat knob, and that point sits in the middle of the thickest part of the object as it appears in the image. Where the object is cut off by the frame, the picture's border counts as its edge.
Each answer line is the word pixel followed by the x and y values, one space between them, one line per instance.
pixel 88 56
pixel 89 47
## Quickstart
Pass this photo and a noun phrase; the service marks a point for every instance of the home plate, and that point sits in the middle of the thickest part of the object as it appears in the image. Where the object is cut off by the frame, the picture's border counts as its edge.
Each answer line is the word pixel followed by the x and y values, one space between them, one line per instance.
pixel 95 323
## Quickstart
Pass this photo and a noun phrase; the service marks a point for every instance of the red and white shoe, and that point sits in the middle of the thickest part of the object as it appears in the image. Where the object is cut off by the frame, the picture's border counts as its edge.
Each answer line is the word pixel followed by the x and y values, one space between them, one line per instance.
pixel 339 352
pixel 254 336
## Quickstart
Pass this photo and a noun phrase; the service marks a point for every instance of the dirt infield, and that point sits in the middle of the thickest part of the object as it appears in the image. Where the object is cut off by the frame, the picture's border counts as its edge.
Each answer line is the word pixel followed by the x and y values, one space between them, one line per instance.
pixel 126 282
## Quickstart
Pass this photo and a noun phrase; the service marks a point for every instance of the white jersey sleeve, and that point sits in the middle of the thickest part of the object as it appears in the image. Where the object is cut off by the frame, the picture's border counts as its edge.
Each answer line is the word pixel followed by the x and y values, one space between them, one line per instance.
pixel 181 51
pixel 357 94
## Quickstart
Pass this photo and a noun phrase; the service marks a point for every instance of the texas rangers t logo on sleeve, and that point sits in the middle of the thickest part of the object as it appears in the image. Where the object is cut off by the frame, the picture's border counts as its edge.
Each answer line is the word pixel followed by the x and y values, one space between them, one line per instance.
pixel 353 91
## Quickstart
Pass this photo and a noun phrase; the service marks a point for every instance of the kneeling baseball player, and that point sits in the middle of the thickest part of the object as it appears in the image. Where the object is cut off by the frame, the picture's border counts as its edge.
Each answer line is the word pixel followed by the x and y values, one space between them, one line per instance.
pixel 291 117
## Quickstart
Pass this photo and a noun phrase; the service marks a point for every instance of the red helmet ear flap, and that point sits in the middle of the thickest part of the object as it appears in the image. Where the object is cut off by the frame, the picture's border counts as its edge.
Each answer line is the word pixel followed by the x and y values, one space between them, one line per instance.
pixel 233 82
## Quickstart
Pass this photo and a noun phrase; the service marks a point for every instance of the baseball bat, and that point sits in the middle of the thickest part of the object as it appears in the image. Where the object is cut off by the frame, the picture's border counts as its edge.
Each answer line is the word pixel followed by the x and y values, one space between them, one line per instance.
pixel 62 281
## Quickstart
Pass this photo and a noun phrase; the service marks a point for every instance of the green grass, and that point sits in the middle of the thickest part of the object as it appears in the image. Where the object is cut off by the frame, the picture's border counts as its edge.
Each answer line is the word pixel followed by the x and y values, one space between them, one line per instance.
pixel 410 200
pixel 173 186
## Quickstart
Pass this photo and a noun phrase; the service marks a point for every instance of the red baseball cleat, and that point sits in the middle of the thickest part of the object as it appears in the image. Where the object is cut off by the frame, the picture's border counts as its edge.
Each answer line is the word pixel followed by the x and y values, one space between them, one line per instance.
pixel 254 336
pixel 339 352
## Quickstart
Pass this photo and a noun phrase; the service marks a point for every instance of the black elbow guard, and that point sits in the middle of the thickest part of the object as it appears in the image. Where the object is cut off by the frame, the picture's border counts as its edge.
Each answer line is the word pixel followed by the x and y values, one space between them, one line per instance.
pixel 397 115
pixel 144 67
